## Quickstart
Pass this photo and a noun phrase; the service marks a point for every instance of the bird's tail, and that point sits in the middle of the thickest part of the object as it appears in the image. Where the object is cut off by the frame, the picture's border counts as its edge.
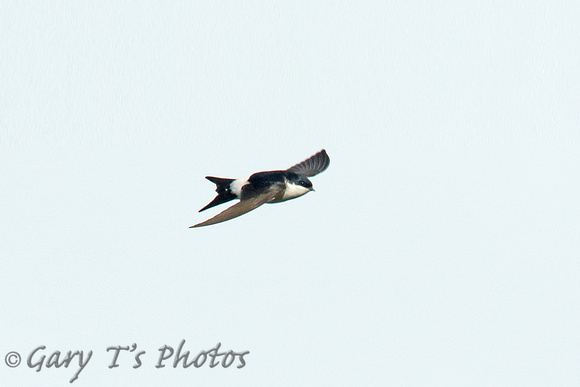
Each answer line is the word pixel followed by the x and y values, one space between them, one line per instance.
pixel 223 190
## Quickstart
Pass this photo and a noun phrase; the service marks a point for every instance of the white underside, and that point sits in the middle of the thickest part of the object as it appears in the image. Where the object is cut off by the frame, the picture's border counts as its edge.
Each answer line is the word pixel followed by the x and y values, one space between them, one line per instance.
pixel 293 191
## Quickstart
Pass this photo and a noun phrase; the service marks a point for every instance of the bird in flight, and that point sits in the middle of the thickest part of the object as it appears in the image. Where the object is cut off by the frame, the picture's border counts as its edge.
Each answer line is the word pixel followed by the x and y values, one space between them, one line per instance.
pixel 264 187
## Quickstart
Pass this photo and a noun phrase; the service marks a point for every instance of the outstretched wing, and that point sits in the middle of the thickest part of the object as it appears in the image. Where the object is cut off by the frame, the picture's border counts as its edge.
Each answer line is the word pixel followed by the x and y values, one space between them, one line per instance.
pixel 243 206
pixel 312 166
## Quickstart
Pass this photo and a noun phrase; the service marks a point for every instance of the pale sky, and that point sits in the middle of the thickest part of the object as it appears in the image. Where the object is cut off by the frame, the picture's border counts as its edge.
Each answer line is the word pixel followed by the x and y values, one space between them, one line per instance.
pixel 440 247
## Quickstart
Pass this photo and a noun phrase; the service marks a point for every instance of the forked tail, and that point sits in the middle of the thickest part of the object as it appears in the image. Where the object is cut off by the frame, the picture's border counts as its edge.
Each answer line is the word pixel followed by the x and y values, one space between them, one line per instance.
pixel 224 194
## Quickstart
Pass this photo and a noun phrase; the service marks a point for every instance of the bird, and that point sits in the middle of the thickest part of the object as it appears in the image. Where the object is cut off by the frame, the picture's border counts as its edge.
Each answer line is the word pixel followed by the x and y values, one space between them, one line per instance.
pixel 264 187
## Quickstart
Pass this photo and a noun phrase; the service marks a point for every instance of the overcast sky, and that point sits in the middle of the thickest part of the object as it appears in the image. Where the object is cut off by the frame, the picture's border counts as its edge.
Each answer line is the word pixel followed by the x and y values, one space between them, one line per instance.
pixel 441 247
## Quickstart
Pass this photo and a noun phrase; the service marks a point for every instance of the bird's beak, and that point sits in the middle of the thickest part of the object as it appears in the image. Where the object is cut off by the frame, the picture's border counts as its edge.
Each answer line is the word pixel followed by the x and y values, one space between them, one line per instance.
pixel 312 189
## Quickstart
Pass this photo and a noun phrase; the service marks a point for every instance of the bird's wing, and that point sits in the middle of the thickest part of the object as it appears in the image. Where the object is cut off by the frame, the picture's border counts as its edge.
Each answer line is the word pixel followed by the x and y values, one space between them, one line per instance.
pixel 243 206
pixel 312 166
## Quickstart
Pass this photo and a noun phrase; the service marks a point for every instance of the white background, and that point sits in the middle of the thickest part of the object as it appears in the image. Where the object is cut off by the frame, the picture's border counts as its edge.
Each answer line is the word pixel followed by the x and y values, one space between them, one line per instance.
pixel 440 248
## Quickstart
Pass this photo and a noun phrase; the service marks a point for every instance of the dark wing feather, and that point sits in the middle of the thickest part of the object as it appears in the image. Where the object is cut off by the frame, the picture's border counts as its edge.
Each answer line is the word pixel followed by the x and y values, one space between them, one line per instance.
pixel 312 166
pixel 243 206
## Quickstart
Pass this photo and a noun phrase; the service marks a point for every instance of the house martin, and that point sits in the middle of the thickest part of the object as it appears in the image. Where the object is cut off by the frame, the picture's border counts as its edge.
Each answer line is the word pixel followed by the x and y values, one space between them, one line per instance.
pixel 264 187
